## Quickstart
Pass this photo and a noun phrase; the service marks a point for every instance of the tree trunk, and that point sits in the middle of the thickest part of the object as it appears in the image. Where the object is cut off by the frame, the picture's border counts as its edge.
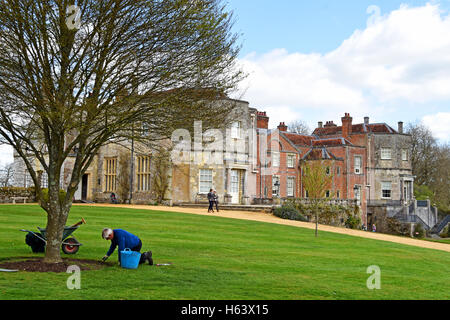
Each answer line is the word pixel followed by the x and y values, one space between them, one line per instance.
pixel 56 221
pixel 317 223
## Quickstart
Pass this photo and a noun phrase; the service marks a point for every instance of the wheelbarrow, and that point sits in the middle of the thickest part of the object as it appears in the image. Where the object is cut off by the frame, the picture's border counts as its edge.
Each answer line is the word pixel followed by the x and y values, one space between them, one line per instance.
pixel 68 246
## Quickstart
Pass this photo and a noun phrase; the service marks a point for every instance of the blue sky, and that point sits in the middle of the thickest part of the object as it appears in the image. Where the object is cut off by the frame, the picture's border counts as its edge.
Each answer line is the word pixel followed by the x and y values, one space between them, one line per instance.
pixel 316 60
pixel 304 25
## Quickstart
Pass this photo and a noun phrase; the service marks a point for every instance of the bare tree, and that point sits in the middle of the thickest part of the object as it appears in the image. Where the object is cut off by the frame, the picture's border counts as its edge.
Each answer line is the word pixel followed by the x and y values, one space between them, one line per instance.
pixel 102 72
pixel 300 127
pixel 423 149
pixel 6 175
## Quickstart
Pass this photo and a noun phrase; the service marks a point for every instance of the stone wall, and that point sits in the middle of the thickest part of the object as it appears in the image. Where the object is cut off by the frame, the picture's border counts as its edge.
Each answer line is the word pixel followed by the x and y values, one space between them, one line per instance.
pixel 7 194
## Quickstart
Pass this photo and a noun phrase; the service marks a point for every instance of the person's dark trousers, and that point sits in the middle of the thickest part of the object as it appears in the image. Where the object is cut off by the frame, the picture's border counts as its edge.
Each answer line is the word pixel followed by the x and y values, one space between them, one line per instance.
pixel 217 205
pixel 211 206
pixel 138 249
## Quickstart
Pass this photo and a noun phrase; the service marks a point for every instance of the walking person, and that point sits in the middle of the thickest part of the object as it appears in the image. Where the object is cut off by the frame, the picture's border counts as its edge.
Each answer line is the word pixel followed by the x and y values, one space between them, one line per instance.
pixel 211 201
pixel 125 239
pixel 216 200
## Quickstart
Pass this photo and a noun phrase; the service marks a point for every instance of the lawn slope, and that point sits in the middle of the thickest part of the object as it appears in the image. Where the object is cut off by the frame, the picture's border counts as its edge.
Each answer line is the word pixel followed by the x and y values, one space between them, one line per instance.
pixel 219 258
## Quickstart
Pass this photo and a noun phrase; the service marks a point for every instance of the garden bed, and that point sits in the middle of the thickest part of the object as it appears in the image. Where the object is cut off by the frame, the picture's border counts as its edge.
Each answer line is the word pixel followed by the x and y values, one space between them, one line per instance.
pixel 38 265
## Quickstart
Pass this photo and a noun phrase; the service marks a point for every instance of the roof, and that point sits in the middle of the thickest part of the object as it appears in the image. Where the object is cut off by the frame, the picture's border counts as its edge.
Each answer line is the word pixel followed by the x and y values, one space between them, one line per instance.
pixel 356 128
pixel 331 142
pixel 319 154
pixel 299 139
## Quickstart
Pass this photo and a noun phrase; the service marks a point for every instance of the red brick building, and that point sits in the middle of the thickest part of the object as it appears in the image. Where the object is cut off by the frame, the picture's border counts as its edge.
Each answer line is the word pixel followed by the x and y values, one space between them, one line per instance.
pixel 348 149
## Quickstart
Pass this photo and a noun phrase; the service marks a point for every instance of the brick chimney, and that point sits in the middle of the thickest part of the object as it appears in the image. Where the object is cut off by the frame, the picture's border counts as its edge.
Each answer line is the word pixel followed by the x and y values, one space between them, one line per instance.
pixel 346 126
pixel 400 127
pixel 330 124
pixel 262 120
pixel 282 127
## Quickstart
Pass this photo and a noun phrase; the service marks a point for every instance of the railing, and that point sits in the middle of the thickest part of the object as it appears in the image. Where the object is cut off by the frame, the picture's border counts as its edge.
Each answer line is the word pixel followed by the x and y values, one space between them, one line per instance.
pixel 441 225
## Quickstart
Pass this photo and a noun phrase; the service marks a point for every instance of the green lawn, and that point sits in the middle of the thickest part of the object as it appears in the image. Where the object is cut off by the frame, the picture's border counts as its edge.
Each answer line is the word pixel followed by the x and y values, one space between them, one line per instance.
pixel 218 258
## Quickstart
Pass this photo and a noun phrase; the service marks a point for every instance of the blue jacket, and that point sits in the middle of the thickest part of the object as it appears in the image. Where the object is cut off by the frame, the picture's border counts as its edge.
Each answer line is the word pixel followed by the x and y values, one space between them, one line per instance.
pixel 124 240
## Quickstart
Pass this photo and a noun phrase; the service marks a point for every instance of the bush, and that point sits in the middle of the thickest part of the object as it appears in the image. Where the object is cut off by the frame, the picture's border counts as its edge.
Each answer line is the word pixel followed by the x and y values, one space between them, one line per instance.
pixel 445 232
pixel 289 213
pixel 353 222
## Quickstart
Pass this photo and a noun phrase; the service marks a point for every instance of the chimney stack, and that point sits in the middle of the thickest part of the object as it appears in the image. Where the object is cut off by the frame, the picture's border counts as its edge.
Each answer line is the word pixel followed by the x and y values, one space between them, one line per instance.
pixel 320 124
pixel 346 126
pixel 366 121
pixel 262 120
pixel 400 127
pixel 282 127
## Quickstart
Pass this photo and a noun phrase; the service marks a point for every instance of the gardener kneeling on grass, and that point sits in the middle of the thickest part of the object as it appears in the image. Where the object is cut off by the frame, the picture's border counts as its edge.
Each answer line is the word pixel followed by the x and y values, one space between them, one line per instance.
pixel 124 240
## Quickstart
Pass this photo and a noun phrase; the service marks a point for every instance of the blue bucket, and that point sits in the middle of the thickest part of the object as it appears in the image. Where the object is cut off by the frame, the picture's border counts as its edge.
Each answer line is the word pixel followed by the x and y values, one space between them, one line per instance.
pixel 129 259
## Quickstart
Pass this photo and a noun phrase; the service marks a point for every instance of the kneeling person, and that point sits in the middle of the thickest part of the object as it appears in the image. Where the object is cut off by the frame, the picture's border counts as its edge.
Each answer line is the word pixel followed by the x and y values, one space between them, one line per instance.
pixel 124 240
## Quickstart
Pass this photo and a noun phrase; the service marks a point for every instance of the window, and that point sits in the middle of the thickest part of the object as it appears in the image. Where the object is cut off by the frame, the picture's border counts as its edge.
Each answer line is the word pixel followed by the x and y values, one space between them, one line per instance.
pixel 236 130
pixel 143 173
pixel 327 194
pixel 275 186
pixel 404 155
pixel 338 171
pixel 338 194
pixel 291 187
pixel 275 159
pixel 110 174
pixel 358 164
pixel 386 189
pixel 44 180
pixel 290 160
pixel 206 180
pixel 386 154
pixel 306 194
pixel 327 171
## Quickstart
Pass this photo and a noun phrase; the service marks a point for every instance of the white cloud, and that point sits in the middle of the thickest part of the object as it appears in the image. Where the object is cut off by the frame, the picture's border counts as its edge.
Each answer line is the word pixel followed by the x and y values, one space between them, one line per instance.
pixel 6 155
pixel 439 124
pixel 399 60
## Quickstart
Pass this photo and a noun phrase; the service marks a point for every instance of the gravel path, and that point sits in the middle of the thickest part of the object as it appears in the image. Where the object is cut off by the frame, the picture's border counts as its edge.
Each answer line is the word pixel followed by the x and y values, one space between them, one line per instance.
pixel 269 218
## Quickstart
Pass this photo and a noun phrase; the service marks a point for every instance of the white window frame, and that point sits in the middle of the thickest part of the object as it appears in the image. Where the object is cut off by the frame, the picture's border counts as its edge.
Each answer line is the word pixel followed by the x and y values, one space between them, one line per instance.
pixel 404 155
pixel 358 166
pixel 236 130
pixel 290 186
pixel 275 155
pixel 205 181
pixel 386 186
pixel 386 154
pixel 274 179
pixel 290 160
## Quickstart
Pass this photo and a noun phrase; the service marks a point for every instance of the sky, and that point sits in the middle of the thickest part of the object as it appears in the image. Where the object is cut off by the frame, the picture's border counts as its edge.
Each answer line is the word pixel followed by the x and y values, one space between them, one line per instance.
pixel 315 60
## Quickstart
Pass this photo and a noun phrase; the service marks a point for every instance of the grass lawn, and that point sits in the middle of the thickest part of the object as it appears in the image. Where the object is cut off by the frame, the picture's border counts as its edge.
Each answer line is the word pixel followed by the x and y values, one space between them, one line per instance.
pixel 217 258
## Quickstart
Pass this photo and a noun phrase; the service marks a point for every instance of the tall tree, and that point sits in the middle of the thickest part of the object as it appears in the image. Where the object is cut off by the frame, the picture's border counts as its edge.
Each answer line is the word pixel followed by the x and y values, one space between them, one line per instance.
pixel 423 149
pixel 76 75
pixel 317 181
pixel 300 127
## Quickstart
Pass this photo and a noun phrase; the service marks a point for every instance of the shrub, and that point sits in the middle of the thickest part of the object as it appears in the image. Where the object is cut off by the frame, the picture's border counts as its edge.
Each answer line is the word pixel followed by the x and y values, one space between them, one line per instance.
pixel 289 213
pixel 353 222
pixel 445 232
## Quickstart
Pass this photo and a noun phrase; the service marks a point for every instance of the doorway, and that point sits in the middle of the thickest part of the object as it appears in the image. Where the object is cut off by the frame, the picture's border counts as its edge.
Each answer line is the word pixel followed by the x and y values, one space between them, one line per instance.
pixel 84 187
